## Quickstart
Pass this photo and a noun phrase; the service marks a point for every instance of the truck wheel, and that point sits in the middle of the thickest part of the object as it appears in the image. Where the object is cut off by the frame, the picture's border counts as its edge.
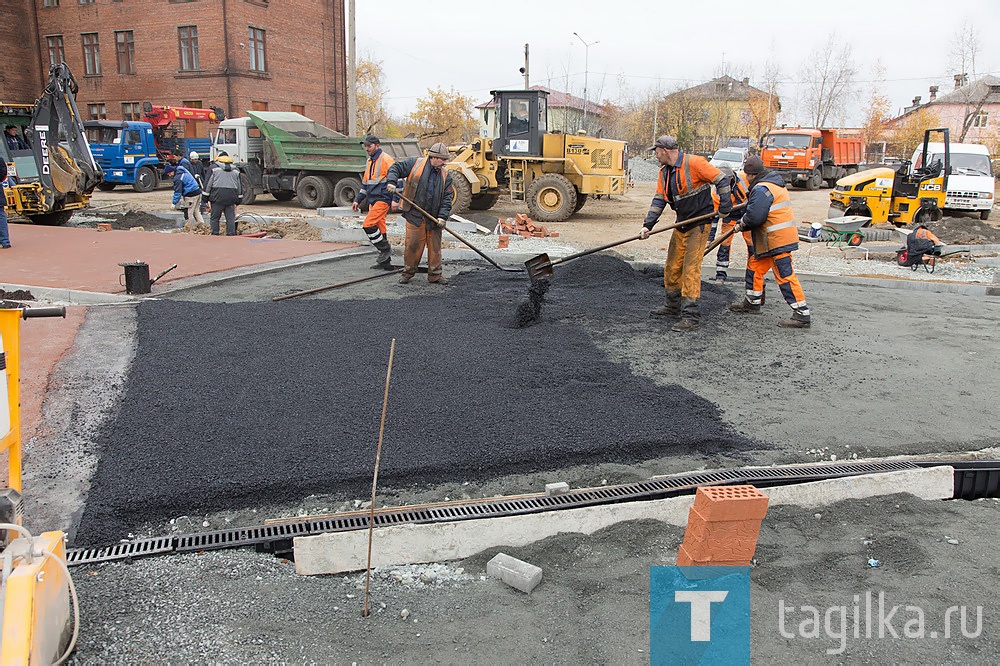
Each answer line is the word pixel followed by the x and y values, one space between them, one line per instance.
pixel 551 198
pixel 314 192
pixel 249 196
pixel 484 200
pixel 581 199
pixel 814 181
pixel 345 190
pixel 52 219
pixel 106 187
pixel 146 180
pixel 461 200
pixel 984 214
pixel 283 195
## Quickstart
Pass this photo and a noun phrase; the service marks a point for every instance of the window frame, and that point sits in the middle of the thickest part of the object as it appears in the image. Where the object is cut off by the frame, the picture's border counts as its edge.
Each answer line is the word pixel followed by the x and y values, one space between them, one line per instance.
pixel 125 49
pixel 97 111
pixel 91 61
pixel 257 43
pixel 131 111
pixel 57 48
pixel 187 46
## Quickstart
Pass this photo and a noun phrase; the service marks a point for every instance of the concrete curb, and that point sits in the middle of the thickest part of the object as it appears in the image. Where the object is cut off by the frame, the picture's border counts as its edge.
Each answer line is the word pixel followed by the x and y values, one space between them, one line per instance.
pixel 61 296
pixel 341 552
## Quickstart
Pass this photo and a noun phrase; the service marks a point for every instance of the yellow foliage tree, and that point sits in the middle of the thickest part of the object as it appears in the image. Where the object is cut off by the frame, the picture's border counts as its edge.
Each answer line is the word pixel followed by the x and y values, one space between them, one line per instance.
pixel 908 132
pixel 443 115
pixel 875 128
pixel 371 91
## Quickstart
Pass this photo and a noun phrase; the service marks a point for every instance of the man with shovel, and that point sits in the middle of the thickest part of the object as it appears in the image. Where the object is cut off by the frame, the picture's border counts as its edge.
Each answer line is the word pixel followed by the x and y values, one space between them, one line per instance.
pixel 428 184
pixel 685 183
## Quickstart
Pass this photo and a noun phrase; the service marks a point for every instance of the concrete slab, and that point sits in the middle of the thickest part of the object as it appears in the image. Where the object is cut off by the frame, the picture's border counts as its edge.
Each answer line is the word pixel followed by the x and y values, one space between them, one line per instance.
pixel 338 211
pixel 344 235
pixel 514 572
pixel 410 544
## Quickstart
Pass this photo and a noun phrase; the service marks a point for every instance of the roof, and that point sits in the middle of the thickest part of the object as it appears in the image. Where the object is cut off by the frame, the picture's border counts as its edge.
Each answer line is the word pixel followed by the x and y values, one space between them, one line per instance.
pixel 557 100
pixel 725 87
pixel 974 91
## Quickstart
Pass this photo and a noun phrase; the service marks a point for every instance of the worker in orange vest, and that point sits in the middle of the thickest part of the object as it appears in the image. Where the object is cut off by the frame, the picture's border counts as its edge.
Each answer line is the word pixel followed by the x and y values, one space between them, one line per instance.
pixel 685 183
pixel 738 189
pixel 379 200
pixel 775 235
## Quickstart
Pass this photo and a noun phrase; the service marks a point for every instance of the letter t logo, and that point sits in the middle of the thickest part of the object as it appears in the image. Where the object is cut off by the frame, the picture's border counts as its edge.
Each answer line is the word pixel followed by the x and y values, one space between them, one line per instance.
pixel 701 611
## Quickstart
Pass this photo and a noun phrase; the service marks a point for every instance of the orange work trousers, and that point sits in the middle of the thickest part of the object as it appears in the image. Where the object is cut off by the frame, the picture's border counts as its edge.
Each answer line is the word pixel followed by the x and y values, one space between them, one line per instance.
pixel 417 238
pixel 682 271
pixel 376 216
pixel 784 274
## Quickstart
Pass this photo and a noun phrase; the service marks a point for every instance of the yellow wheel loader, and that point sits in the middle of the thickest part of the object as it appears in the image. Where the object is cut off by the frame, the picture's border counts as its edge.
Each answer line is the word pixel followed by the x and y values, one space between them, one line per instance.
pixel 902 196
pixel 551 172
pixel 56 173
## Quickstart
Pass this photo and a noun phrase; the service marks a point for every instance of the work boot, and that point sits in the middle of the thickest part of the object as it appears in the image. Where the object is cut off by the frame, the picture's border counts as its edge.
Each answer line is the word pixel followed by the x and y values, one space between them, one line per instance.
pixel 441 280
pixel 720 277
pixel 384 260
pixel 671 307
pixel 685 325
pixel 744 307
pixel 797 321
pixel 403 279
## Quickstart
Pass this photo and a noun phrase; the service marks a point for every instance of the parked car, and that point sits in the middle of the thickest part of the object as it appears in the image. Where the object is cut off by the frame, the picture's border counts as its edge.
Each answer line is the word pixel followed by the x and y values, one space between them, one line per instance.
pixel 729 157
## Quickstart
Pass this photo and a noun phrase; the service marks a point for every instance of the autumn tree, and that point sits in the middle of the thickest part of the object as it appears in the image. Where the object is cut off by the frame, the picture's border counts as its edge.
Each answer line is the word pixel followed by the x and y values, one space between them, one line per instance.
pixel 371 91
pixel 878 113
pixel 908 132
pixel 443 115
pixel 827 80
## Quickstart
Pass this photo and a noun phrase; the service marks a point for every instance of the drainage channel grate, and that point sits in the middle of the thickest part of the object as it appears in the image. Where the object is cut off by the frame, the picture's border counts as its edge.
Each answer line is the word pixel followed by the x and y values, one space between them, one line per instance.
pixel 972 480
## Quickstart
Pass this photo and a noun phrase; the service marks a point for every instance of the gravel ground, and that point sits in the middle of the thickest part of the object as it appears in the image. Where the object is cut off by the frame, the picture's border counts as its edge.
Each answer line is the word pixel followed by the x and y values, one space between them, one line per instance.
pixel 592 604
pixel 644 170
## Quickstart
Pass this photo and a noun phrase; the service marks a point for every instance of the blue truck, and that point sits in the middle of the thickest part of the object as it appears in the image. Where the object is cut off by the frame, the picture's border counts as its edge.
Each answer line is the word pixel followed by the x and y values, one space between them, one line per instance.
pixel 129 154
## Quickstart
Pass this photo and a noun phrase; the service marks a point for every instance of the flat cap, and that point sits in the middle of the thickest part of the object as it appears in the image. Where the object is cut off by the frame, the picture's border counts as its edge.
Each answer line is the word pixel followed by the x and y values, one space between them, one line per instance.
pixel 666 141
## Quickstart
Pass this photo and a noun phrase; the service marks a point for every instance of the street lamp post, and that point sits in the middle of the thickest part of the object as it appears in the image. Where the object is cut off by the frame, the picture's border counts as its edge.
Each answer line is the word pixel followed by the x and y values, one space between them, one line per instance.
pixel 586 67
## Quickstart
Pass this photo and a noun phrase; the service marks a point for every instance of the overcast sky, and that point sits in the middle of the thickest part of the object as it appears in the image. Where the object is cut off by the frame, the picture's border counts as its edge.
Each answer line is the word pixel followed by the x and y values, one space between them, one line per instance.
pixel 476 47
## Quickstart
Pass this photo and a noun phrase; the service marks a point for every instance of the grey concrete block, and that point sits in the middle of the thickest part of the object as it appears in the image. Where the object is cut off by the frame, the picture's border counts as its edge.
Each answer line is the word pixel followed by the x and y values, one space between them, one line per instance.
pixel 519 575
pixel 338 211
pixel 343 235
pixel 459 227
pixel 556 488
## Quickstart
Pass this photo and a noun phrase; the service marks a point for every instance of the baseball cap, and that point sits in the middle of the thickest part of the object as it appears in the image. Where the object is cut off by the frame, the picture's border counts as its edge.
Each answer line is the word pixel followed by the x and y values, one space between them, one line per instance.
pixel 666 141
pixel 371 139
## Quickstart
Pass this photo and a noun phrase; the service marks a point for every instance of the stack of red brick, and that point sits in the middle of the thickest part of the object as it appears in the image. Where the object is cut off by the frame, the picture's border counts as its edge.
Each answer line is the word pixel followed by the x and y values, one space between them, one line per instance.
pixel 522 225
pixel 723 527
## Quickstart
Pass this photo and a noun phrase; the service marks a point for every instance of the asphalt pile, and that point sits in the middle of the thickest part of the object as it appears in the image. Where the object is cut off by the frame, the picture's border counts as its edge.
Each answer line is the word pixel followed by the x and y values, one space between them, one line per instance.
pixel 242 404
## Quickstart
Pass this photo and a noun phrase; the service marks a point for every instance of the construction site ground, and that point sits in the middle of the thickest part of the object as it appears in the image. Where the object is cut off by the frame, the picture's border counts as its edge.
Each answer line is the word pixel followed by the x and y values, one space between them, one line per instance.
pixel 211 407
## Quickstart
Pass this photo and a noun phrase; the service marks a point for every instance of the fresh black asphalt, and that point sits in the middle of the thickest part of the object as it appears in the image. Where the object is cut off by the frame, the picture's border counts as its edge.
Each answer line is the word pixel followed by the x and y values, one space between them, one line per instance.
pixel 243 404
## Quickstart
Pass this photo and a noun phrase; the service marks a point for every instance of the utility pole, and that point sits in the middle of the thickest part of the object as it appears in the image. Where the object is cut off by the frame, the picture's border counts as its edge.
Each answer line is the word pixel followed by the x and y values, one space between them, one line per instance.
pixel 656 109
pixel 524 70
pixel 586 67
pixel 352 72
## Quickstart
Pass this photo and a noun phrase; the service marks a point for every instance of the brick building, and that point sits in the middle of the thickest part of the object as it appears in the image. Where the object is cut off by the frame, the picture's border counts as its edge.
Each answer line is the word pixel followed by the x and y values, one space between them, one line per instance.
pixel 239 55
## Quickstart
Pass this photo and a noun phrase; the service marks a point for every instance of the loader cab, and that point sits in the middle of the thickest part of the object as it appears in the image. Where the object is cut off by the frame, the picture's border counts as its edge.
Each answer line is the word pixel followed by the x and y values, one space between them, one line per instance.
pixel 522 116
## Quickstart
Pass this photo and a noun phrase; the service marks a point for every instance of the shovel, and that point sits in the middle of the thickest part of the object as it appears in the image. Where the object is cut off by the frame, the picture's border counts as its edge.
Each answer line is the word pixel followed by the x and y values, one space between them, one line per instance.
pixel 541 266
pixel 508 269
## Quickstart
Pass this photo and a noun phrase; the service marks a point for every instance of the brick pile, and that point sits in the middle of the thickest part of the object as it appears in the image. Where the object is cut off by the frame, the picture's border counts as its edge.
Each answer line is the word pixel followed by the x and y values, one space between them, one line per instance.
pixel 723 526
pixel 522 225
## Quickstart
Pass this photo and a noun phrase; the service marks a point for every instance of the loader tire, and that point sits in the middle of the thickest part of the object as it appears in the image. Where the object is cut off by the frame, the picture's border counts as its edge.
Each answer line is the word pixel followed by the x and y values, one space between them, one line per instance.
pixel 56 219
pixel 461 199
pixel 581 199
pixel 345 190
pixel 314 192
pixel 551 198
pixel 146 180
pixel 484 200
pixel 249 196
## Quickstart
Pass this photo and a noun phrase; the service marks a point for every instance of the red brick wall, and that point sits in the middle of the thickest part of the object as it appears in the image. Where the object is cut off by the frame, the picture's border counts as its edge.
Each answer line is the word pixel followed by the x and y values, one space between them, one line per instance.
pixel 305 53
pixel 20 81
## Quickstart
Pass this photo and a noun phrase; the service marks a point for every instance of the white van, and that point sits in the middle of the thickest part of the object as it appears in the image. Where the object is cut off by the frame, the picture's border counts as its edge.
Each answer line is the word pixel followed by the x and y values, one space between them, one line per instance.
pixel 971 183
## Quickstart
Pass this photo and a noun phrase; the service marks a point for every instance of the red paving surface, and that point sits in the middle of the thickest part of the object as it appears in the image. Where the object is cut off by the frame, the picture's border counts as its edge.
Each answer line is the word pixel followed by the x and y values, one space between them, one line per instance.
pixel 86 259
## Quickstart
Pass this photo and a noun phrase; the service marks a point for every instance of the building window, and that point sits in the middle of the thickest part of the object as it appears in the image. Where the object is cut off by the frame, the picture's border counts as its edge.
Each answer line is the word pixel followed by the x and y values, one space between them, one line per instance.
pixel 187 37
pixel 131 111
pixel 57 54
pixel 97 111
pixel 258 49
pixel 91 54
pixel 980 119
pixel 299 108
pixel 86 2
pixel 51 3
pixel 258 106
pixel 125 49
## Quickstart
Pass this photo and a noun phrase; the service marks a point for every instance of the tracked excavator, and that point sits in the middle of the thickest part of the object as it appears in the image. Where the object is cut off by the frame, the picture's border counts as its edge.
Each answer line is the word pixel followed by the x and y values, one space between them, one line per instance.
pixel 56 174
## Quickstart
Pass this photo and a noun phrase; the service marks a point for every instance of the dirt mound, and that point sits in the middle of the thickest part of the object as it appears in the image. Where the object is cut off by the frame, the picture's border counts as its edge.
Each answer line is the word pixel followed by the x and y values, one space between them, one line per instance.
pixel 965 231
pixel 17 295
pixel 254 224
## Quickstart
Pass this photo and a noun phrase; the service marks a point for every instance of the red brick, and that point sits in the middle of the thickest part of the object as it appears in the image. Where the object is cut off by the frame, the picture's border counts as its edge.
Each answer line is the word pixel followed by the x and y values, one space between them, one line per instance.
pixel 730 503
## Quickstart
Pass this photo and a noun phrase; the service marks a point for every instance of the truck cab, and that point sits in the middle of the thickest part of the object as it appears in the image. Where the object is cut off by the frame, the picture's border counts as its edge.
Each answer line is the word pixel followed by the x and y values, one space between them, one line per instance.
pixel 970 182
pixel 810 158
pixel 126 151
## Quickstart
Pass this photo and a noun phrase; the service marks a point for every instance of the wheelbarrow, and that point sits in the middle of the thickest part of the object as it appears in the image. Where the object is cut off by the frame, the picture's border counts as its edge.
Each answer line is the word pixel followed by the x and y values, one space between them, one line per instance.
pixel 541 266
pixel 846 232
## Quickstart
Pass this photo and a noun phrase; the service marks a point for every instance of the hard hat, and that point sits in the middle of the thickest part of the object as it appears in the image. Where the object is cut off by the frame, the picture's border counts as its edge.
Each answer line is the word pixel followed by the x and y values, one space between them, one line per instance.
pixel 439 150
pixel 194 155
pixel 224 159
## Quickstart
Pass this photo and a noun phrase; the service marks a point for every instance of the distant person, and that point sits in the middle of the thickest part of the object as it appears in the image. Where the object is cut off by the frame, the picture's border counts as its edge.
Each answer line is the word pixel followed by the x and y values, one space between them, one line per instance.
pixel 769 219
pixel 224 190
pixel 428 184
pixel 4 231
pixel 14 139
pixel 179 160
pixel 187 194
pixel 685 183
pixel 379 200
pixel 199 172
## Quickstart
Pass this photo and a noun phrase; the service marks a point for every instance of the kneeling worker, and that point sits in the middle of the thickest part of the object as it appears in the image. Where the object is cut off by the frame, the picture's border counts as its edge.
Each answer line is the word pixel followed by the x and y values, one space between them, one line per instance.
pixel 770 221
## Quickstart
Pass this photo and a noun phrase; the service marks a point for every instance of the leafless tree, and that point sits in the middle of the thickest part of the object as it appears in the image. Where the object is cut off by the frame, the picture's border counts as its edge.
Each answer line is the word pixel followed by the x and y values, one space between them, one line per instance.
pixel 827 80
pixel 965 48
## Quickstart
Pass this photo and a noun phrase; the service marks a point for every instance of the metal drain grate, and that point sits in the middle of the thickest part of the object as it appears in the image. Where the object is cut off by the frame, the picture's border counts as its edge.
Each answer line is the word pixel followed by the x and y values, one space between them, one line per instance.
pixel 972 480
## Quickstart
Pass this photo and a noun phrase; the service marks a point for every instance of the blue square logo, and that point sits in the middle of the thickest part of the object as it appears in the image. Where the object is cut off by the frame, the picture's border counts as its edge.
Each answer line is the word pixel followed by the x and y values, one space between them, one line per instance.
pixel 699 615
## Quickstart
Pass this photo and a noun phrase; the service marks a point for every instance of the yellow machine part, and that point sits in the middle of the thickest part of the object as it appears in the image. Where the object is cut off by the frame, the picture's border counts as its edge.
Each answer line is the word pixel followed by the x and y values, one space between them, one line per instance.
pixel 36 609
pixel 875 188
pixel 10 443
pixel 593 165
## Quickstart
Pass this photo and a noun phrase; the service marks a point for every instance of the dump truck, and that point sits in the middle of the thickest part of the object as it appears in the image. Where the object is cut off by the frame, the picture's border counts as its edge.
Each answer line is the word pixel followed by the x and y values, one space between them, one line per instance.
pixel 811 158
pixel 288 155
pixel 551 172
pixel 899 196
pixel 56 174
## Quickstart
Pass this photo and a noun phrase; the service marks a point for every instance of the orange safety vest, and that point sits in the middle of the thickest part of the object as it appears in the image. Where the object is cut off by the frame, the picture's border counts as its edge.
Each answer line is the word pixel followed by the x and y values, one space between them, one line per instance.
pixel 377 170
pixel 413 179
pixel 684 185
pixel 738 187
pixel 779 233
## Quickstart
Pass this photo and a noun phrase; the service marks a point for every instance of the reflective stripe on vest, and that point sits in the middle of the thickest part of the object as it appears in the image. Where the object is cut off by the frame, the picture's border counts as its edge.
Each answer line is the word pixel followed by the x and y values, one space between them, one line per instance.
pixel 375 169
pixel 685 169
pixel 779 233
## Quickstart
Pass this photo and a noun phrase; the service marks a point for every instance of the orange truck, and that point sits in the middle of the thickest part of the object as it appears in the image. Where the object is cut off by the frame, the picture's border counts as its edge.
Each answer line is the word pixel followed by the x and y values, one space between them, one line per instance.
pixel 810 158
